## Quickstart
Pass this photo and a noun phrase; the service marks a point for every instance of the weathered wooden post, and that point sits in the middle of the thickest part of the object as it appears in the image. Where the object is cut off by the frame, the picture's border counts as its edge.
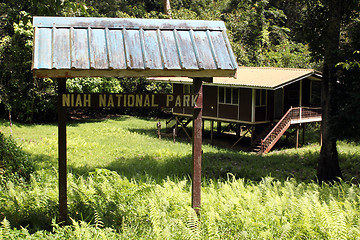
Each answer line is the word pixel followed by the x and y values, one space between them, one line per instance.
pixel 197 142
pixel 297 135
pixel 212 132
pixel 62 152
pixel 159 129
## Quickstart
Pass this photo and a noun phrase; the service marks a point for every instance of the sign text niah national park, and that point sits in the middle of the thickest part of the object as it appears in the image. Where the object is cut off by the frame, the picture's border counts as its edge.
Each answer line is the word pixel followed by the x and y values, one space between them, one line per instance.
pixel 127 100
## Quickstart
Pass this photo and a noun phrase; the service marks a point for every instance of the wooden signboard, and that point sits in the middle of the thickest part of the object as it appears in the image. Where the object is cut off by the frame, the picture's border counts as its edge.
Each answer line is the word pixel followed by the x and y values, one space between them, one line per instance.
pixel 122 100
pixel 129 100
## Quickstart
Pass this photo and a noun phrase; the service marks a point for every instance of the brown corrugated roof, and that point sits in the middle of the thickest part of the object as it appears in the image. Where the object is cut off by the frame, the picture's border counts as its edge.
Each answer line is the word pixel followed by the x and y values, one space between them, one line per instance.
pixel 258 77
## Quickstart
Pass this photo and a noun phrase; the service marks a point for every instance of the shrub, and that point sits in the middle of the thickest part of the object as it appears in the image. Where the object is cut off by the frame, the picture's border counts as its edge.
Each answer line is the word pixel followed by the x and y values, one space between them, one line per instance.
pixel 14 163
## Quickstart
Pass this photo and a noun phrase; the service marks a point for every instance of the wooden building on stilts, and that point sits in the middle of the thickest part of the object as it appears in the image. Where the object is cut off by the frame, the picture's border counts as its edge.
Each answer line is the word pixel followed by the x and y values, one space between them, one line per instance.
pixel 260 102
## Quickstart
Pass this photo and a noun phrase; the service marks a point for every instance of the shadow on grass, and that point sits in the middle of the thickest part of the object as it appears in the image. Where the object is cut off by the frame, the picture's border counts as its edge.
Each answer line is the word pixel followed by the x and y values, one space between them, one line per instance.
pixel 214 166
pixel 300 164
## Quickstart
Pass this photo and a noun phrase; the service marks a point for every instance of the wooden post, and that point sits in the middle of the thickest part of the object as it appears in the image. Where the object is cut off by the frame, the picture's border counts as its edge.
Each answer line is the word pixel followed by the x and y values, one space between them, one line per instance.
pixel 62 154
pixel 212 132
pixel 297 135
pixel 218 128
pixel 238 130
pixel 159 129
pixel 197 142
pixel 321 136
pixel 174 134
pixel 303 135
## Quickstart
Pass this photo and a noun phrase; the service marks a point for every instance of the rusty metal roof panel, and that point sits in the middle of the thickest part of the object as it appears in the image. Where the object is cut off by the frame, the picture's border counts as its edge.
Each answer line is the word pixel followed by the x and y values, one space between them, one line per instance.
pixel 76 47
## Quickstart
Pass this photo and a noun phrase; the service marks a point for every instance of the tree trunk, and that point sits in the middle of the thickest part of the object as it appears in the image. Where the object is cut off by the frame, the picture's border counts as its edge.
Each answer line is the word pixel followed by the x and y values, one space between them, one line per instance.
pixel 167 8
pixel 328 165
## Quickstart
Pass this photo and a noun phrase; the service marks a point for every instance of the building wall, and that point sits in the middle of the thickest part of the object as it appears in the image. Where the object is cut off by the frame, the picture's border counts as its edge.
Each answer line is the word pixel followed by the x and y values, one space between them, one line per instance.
pixel 245 104
pixel 210 101
pixel 241 111
pixel 291 96
pixel 306 92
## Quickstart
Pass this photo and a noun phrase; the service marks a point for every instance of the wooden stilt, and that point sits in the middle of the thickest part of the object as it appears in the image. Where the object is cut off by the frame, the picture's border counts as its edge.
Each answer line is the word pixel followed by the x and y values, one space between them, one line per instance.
pixel 218 128
pixel 212 132
pixel 321 136
pixel 303 135
pixel 238 130
pixel 297 135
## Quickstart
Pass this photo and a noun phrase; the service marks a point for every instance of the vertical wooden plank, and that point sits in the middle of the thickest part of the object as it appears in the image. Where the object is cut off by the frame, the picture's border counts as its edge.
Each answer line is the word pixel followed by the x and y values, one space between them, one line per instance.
pixel 62 154
pixel 197 142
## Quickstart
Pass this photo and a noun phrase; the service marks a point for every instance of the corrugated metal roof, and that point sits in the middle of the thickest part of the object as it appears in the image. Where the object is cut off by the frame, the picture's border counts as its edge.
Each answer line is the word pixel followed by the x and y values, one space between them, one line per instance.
pixel 257 77
pixel 76 47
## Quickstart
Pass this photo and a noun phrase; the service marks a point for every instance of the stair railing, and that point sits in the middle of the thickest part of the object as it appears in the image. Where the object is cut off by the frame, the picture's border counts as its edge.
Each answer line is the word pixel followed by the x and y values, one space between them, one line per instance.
pixel 293 113
pixel 265 143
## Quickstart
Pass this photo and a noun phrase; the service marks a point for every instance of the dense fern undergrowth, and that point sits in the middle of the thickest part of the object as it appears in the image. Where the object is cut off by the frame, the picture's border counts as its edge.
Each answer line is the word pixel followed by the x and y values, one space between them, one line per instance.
pixel 126 184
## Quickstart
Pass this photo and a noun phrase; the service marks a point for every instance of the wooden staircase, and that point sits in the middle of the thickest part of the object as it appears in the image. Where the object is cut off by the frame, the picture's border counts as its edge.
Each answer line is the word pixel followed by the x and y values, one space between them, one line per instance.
pixel 292 116
pixel 179 124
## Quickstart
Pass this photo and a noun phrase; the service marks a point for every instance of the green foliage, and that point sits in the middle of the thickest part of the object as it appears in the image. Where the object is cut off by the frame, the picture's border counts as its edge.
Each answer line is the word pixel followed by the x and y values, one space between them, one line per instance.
pixel 14 163
pixel 231 209
pixel 259 31
pixel 289 54
pixel 124 183
pixel 94 85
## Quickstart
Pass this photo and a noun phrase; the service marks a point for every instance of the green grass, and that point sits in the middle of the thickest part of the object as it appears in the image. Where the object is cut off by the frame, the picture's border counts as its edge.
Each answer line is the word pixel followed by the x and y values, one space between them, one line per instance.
pixel 129 146
pixel 124 183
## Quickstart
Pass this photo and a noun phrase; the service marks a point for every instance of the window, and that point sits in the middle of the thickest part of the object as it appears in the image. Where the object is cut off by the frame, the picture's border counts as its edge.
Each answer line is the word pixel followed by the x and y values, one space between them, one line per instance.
pixel 188 89
pixel 260 97
pixel 229 95
pixel 221 94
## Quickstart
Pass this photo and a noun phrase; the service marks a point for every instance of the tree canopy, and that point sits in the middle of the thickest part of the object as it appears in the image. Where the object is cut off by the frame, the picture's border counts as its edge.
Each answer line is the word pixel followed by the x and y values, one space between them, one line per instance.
pixel 274 33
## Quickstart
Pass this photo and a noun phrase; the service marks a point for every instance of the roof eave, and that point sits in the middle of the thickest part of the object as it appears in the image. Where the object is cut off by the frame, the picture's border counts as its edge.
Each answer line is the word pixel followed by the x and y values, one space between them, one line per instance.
pixel 65 73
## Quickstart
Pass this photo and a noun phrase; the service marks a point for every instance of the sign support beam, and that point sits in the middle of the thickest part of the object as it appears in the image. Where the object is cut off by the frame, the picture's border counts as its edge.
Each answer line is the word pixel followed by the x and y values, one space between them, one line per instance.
pixel 62 153
pixel 197 142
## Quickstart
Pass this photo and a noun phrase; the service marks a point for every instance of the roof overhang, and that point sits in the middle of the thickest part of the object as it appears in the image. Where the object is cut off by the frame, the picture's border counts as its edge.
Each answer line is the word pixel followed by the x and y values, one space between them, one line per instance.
pixel 257 77
pixel 114 47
